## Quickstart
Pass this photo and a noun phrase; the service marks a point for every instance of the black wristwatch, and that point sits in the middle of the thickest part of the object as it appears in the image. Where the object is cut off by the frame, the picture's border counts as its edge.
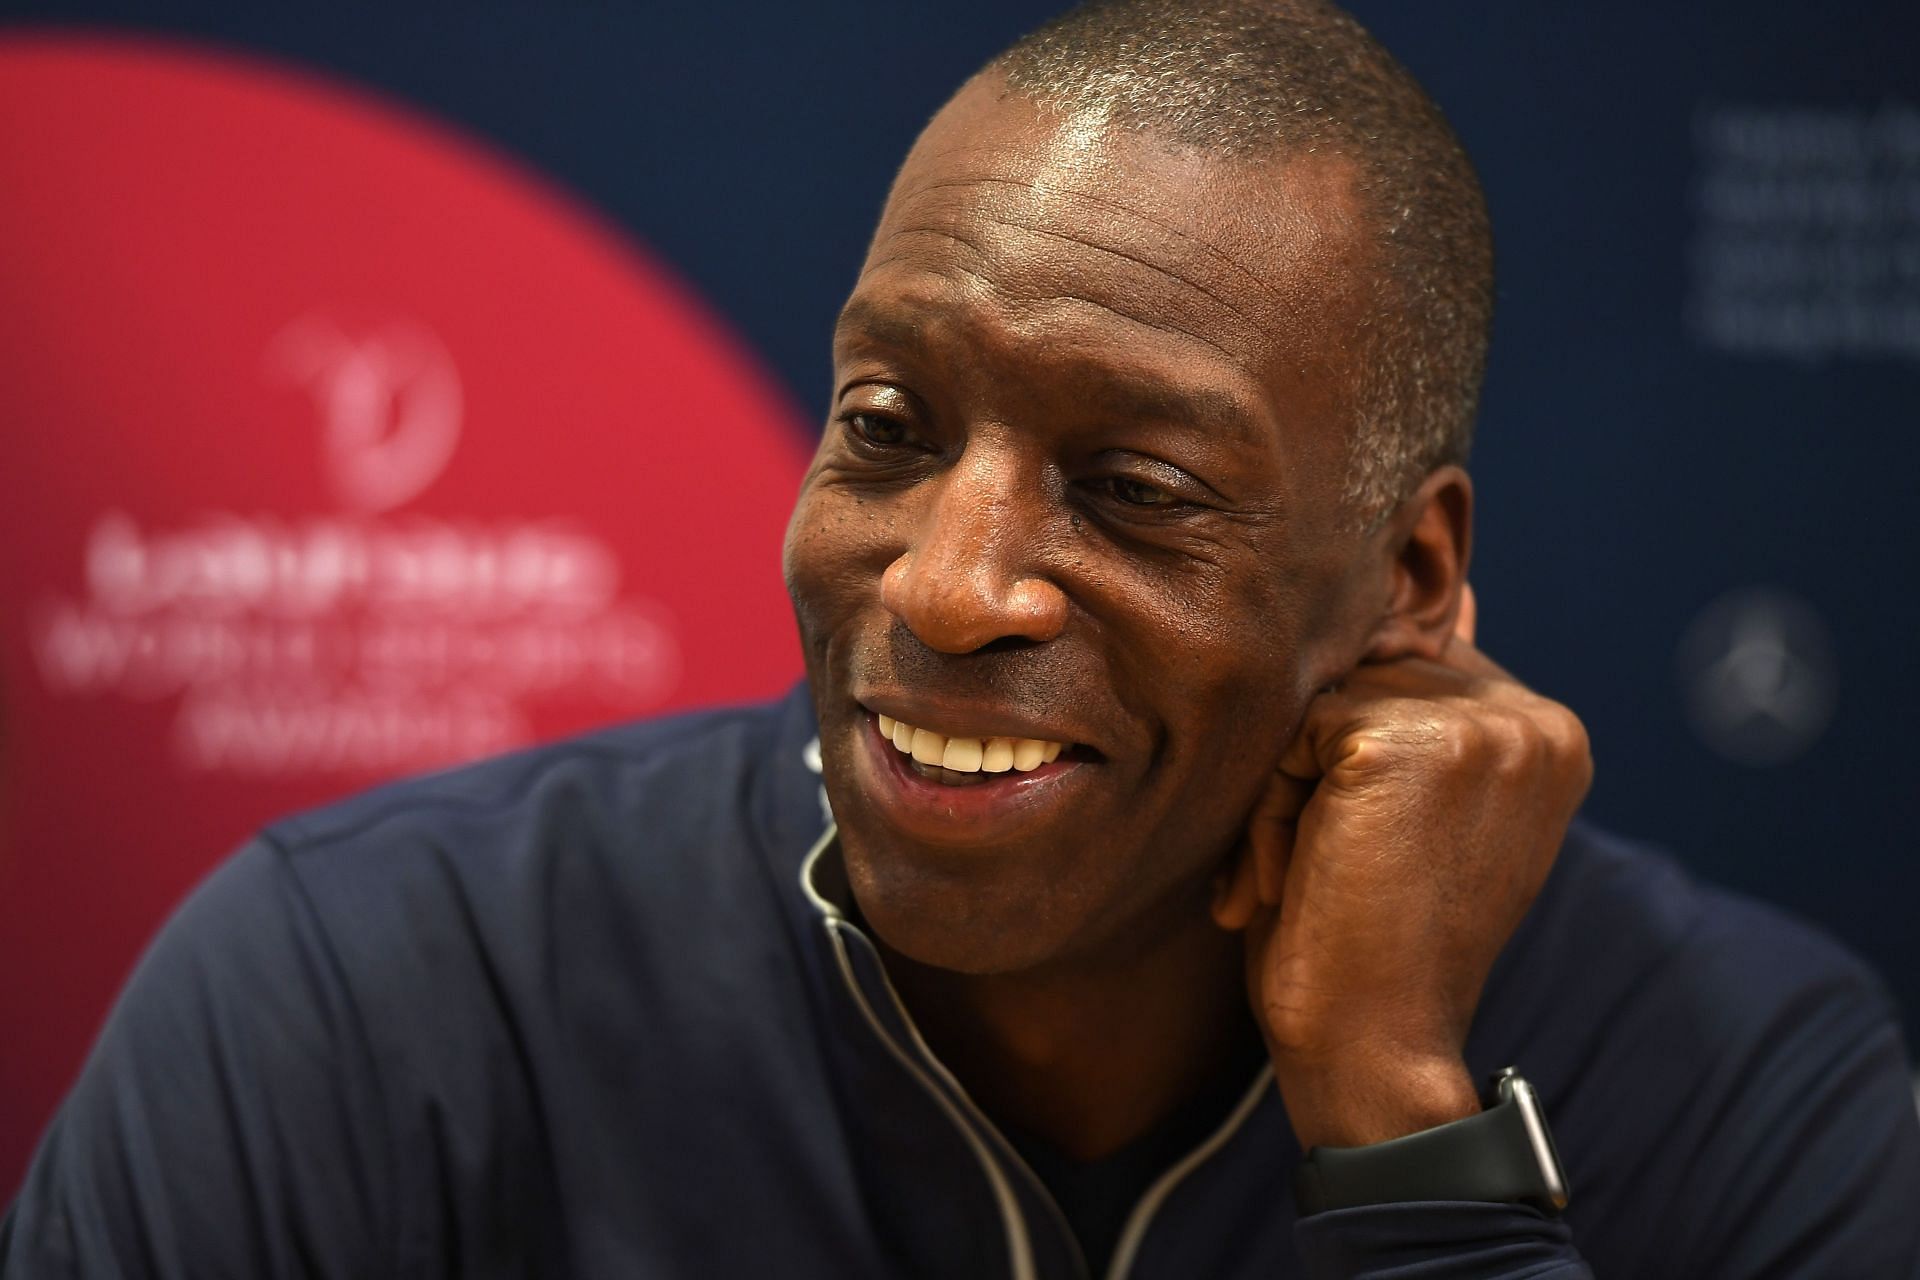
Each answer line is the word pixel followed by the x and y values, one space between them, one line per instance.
pixel 1505 1153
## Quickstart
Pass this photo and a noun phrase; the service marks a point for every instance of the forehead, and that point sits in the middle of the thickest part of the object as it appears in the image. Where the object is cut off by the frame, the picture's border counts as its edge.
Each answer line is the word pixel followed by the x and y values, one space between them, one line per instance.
pixel 1029 239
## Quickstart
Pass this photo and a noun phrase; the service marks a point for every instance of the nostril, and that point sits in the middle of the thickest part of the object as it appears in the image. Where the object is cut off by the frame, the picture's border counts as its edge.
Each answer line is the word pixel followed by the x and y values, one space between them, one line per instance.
pixel 1007 644
pixel 964 603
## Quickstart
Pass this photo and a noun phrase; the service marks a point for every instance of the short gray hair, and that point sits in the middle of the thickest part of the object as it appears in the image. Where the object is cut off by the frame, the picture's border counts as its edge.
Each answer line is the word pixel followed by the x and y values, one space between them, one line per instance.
pixel 1251 78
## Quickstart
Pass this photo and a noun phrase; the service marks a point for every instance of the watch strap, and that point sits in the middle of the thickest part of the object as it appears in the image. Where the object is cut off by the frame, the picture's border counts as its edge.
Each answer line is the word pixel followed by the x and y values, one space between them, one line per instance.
pixel 1502 1154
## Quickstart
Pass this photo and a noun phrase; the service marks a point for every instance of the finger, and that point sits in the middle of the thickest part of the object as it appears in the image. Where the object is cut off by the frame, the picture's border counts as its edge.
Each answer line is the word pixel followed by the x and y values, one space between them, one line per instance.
pixel 1236 896
pixel 1286 795
pixel 1271 856
pixel 1270 833
pixel 1468 619
pixel 1339 713
pixel 1315 747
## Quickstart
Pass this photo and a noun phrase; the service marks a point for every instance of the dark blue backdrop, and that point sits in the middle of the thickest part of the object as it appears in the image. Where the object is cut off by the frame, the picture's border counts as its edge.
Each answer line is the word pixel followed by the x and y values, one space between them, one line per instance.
pixel 1698 458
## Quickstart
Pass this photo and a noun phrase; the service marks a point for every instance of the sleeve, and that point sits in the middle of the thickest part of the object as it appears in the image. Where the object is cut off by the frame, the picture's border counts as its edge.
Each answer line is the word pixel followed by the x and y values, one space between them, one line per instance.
pixel 1813 1167
pixel 228 1122
pixel 1748 1115
pixel 1439 1240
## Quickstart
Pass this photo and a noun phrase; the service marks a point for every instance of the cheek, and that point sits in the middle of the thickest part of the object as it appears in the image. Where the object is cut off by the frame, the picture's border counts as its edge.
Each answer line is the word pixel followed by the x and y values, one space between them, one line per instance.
pixel 800 559
pixel 1240 724
pixel 1234 672
pixel 1231 645
pixel 835 551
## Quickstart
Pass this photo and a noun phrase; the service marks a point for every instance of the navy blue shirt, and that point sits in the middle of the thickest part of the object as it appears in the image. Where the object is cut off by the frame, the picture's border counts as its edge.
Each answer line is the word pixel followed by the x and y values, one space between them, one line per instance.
pixel 603 1009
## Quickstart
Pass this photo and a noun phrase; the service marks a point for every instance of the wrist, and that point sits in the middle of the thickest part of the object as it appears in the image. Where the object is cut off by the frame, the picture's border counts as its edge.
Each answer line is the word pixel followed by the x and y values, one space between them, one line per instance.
pixel 1505 1154
pixel 1358 1097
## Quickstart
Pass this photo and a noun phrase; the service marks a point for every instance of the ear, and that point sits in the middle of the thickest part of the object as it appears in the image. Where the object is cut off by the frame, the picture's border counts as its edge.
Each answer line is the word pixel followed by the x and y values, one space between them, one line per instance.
pixel 1427 541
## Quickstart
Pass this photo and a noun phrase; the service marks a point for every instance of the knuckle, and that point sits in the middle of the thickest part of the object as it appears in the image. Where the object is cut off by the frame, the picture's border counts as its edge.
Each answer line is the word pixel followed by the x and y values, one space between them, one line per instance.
pixel 1517 763
pixel 1462 742
pixel 1368 753
pixel 1567 737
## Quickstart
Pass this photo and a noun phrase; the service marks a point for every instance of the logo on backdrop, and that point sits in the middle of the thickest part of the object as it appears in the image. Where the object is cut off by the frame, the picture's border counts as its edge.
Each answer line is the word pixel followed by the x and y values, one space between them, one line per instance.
pixel 1758 675
pixel 362 639
pixel 389 406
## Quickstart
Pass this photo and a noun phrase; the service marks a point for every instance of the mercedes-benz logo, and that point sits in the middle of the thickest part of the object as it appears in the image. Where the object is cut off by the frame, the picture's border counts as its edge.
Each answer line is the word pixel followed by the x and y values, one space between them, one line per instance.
pixel 1758 676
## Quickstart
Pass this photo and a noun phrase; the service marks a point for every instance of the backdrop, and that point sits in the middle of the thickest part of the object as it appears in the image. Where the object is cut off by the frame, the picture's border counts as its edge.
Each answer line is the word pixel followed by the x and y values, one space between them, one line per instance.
pixel 382 386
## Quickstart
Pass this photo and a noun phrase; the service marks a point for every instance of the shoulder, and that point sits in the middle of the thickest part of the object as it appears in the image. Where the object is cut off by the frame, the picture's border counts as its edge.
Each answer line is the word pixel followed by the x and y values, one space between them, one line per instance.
pixel 518 879
pixel 648 806
pixel 662 772
pixel 1626 953
pixel 488 896
pixel 1723 1078
pixel 462 929
pixel 397 1002
pixel 1623 930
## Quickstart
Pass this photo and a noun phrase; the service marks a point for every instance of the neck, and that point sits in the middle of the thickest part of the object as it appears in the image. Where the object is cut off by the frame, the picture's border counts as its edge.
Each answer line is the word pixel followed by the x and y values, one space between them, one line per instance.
pixel 1093 1053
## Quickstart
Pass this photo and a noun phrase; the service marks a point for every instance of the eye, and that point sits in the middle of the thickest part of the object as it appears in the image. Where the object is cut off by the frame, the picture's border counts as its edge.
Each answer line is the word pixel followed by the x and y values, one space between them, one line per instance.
pixel 1138 493
pixel 875 430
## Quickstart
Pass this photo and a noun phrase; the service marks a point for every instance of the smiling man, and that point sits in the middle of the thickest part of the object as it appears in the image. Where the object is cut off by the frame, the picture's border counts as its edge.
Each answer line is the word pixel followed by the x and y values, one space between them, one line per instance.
pixel 1189 870
pixel 1082 543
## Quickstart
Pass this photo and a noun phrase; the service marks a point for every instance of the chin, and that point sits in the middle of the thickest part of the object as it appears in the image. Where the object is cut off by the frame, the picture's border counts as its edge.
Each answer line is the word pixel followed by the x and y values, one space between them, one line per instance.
pixel 941 918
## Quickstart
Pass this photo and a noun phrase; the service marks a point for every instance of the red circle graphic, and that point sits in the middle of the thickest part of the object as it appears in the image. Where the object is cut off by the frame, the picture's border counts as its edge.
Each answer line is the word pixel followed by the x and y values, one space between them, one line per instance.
pixel 337 447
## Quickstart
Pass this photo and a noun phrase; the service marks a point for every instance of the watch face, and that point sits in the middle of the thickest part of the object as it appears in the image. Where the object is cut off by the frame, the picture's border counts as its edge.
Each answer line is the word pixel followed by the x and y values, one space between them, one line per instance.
pixel 1523 1096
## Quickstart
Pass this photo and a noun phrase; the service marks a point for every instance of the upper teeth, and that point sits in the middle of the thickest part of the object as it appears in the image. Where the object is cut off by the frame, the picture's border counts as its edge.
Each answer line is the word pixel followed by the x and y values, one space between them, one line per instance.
pixel 970 755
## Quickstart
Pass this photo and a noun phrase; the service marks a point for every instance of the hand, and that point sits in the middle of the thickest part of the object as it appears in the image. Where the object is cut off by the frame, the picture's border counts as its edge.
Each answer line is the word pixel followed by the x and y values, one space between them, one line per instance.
pixel 1409 826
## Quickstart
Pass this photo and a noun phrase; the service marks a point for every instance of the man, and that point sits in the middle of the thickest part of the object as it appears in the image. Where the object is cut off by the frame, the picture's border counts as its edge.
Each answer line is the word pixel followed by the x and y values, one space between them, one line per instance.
pixel 1180 829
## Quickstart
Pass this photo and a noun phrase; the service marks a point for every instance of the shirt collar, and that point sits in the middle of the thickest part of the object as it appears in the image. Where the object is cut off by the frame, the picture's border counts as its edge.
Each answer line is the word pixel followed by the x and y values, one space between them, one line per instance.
pixel 823 879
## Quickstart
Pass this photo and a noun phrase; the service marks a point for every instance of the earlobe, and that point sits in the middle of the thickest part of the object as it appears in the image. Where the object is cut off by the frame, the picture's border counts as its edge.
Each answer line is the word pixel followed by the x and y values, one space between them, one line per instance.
pixel 1427 542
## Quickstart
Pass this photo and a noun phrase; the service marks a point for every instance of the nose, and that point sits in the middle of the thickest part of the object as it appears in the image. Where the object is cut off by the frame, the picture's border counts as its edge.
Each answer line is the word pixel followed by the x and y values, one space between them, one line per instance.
pixel 970 574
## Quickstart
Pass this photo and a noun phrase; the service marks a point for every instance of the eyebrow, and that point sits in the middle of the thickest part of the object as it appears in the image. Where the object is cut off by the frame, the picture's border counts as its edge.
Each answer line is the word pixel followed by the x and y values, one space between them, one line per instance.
pixel 1127 395
pixel 1208 408
pixel 864 317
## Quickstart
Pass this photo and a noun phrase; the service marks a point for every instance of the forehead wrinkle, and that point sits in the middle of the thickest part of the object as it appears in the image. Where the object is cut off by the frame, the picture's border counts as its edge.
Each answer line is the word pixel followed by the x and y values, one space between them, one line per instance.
pixel 872 320
pixel 1137 260
pixel 999 288
pixel 1162 327
pixel 1041 187
pixel 945 233
pixel 1256 331
pixel 1284 317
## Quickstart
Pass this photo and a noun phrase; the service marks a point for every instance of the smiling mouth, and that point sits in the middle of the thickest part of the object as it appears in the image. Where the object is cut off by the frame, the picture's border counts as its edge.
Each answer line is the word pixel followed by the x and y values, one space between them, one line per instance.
pixel 957 761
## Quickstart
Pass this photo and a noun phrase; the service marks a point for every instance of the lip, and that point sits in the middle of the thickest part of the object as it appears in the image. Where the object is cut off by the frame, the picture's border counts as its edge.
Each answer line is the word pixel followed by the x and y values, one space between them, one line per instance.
pixel 961 720
pixel 1009 807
